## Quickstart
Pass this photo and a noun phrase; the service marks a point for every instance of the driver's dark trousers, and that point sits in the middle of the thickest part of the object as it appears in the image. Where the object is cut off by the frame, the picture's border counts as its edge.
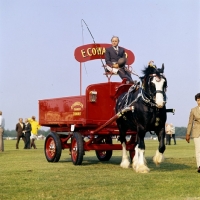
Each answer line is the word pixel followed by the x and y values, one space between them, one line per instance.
pixel 125 74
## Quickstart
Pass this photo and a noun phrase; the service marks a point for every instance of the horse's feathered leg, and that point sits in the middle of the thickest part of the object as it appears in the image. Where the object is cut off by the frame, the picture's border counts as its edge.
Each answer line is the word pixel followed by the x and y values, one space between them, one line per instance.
pixel 135 158
pixel 159 157
pixel 139 161
pixel 125 161
pixel 142 166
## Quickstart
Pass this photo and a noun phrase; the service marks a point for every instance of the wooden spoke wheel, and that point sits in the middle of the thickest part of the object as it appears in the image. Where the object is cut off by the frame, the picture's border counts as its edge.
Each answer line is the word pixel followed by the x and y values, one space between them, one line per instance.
pixel 77 151
pixel 106 154
pixel 52 147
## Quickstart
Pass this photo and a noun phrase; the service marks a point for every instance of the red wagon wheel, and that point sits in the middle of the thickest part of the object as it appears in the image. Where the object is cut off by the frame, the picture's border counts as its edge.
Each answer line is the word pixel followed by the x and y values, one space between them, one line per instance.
pixel 77 151
pixel 52 148
pixel 104 155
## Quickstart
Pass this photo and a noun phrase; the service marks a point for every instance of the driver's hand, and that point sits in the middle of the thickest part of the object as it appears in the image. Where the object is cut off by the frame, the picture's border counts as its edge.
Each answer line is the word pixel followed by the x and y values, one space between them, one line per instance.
pixel 115 65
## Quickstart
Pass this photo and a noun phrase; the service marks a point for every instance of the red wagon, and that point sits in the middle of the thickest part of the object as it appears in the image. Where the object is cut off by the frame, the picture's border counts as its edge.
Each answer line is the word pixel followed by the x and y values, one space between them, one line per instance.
pixel 85 122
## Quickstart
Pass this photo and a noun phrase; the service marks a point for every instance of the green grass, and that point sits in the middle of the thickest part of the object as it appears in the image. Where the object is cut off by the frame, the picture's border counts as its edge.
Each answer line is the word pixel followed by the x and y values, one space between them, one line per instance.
pixel 26 174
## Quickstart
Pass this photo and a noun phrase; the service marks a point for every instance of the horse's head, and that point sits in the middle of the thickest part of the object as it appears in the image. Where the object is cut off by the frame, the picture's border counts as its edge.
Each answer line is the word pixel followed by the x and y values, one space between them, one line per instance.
pixel 155 83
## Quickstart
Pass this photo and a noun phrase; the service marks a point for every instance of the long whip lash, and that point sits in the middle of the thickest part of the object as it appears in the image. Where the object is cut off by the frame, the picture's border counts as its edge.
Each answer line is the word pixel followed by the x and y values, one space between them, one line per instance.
pixel 82 20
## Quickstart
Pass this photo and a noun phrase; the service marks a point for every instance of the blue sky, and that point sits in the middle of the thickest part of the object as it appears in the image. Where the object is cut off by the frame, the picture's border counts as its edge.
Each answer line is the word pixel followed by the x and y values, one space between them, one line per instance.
pixel 38 39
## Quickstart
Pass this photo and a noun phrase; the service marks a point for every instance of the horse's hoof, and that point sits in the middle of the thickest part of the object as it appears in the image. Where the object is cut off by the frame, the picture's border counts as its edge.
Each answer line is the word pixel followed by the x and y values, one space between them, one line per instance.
pixel 158 158
pixel 125 164
pixel 142 169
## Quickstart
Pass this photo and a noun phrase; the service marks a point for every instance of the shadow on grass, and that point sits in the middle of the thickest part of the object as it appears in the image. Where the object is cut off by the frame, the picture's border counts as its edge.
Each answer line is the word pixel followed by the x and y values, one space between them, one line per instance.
pixel 167 165
pixel 93 160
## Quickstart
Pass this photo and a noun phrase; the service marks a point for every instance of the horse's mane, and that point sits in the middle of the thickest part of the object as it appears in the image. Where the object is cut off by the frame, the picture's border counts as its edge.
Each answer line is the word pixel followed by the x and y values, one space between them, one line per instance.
pixel 149 70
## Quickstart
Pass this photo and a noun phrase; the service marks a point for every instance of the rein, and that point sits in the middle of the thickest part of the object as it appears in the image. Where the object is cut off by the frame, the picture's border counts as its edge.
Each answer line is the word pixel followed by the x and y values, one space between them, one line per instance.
pixel 141 94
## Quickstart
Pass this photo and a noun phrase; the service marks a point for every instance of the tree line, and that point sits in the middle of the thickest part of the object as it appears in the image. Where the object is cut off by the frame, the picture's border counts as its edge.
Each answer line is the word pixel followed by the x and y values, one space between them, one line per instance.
pixel 179 132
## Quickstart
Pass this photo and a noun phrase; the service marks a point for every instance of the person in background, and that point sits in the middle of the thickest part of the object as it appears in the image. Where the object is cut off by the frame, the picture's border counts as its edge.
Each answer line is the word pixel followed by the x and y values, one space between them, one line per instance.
pixel 115 57
pixel 27 132
pixel 20 132
pixel 194 128
pixel 173 133
pixel 2 126
pixel 35 127
pixel 170 131
pixel 167 135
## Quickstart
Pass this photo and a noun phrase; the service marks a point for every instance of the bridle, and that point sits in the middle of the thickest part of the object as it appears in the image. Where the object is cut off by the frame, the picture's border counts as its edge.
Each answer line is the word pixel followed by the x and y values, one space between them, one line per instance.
pixel 158 78
pixel 147 97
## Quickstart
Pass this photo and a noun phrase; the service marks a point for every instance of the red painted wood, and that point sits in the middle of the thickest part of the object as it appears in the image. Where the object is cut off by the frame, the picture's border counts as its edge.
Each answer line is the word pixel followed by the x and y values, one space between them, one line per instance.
pixel 97 51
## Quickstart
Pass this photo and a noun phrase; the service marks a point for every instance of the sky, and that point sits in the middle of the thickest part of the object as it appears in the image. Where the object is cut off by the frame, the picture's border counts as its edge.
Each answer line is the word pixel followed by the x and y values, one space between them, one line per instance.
pixel 38 39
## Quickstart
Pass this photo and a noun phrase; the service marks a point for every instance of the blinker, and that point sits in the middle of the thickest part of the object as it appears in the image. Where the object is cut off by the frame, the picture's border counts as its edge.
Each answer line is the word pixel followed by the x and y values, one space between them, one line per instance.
pixel 93 96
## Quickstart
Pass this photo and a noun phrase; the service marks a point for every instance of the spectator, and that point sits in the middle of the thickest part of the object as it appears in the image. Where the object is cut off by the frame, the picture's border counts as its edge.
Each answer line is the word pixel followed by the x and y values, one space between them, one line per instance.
pixel 194 128
pixel 2 125
pixel 167 135
pixel 20 132
pixel 35 127
pixel 27 131
pixel 173 133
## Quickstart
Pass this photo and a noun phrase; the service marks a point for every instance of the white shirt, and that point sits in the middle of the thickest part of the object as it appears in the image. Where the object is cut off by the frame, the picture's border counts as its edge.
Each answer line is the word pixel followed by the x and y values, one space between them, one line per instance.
pixel 170 129
pixel 2 122
pixel 115 48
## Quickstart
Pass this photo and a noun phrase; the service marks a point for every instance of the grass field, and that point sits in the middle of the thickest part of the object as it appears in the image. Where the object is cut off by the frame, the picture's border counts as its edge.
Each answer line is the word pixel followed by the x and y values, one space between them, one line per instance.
pixel 26 174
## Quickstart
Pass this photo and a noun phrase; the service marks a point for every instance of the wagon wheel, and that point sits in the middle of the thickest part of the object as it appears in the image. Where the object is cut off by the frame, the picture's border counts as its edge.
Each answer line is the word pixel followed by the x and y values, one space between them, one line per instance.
pixel 104 155
pixel 77 150
pixel 52 148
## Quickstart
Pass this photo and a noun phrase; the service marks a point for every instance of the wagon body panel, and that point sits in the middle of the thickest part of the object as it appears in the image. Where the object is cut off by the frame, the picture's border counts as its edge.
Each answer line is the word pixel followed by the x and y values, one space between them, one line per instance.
pixel 60 113
pixel 104 108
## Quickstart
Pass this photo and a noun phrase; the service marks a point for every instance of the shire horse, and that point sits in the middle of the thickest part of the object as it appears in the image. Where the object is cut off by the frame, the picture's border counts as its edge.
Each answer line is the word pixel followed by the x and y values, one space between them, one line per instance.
pixel 148 114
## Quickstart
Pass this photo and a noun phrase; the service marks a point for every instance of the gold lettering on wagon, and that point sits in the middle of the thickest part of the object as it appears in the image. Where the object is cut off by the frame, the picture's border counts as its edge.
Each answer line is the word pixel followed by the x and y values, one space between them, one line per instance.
pixel 77 103
pixel 83 53
pixel 77 109
pixel 76 113
pixel 93 51
pixel 77 106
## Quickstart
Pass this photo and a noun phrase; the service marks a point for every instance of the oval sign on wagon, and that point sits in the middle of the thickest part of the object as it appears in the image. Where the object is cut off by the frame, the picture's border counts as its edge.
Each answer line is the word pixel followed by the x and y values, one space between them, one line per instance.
pixel 97 51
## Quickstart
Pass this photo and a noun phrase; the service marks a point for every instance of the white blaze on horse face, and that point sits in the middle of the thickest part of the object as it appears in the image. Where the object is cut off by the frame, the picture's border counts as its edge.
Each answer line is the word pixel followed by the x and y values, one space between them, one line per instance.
pixel 159 82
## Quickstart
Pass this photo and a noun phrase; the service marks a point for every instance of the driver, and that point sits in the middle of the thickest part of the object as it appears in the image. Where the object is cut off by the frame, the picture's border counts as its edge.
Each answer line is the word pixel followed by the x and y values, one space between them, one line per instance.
pixel 115 58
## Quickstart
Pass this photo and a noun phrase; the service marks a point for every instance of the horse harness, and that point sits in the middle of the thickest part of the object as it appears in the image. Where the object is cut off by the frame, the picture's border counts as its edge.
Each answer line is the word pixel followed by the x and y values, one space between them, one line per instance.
pixel 145 99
